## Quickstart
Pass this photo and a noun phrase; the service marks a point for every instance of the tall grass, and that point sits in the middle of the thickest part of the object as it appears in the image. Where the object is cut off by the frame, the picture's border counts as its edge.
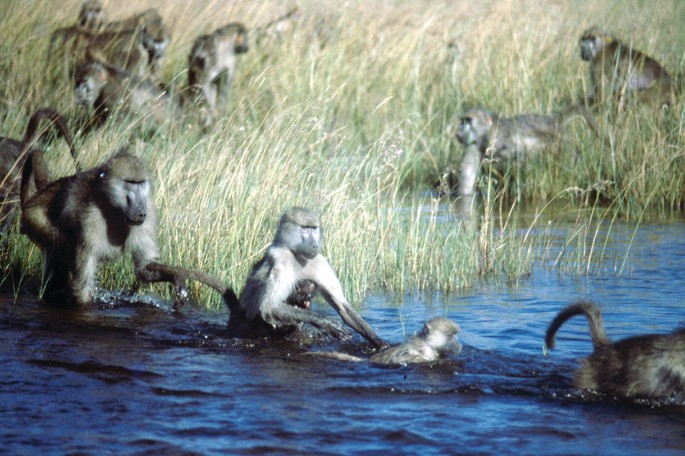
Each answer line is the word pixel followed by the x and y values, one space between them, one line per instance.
pixel 350 115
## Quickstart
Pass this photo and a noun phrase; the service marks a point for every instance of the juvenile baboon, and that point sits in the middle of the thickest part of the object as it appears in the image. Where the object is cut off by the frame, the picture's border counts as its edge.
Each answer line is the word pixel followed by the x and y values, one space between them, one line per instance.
pixel 293 256
pixel 211 66
pixel 621 72
pixel 89 218
pixel 91 18
pixel 506 141
pixel 107 89
pixel 437 339
pixel 649 365
pixel 14 152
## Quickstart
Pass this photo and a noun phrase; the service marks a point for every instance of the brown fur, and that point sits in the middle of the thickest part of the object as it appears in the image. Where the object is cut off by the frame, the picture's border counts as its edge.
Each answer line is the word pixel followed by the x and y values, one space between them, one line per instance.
pixel 619 72
pixel 650 365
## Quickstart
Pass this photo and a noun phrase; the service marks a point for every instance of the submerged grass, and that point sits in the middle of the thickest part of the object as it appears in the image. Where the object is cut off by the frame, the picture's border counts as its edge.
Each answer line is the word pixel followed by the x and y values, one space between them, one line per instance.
pixel 350 113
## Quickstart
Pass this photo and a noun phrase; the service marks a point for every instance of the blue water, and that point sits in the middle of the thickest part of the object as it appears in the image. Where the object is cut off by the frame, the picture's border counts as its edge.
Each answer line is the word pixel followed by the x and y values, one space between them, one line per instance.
pixel 132 378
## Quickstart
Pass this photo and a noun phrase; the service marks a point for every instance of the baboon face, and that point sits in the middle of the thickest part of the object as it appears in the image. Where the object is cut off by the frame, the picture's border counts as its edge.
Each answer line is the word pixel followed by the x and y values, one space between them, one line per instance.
pixel 240 45
pixel 90 78
pixel 155 38
pixel 91 15
pixel 299 230
pixel 590 43
pixel 126 181
pixel 440 334
pixel 474 124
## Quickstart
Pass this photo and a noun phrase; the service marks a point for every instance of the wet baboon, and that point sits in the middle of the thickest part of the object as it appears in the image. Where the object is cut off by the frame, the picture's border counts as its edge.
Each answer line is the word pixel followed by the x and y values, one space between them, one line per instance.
pixel 437 339
pixel 505 141
pixel 619 71
pixel 89 218
pixel 211 66
pixel 14 152
pixel 91 18
pixel 648 365
pixel 293 256
pixel 107 89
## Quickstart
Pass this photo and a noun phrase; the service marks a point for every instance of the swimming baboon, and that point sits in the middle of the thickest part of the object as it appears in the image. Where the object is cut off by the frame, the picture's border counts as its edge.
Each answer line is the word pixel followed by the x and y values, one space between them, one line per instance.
pixel 106 89
pixel 649 365
pixel 14 152
pixel 211 66
pixel 89 218
pixel 293 256
pixel 90 20
pixel 619 71
pixel 437 339
pixel 505 141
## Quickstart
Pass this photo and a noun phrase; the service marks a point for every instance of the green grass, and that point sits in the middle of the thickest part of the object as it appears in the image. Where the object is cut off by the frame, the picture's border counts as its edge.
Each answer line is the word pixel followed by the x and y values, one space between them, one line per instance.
pixel 350 115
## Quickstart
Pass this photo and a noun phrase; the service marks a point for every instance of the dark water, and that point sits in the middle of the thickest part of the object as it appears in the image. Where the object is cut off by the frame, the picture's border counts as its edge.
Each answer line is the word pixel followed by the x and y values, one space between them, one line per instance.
pixel 133 378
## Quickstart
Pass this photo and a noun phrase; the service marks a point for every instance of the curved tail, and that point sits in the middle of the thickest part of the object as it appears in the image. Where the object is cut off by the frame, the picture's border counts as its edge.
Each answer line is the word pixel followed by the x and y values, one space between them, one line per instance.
pixel 58 121
pixel 594 318
pixel 579 110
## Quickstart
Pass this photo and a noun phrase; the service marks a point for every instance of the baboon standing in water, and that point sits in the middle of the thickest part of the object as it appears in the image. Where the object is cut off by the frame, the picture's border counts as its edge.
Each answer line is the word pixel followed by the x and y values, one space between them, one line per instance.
pixel 619 71
pixel 13 153
pixel 506 141
pixel 89 218
pixel 211 67
pixel 293 256
pixel 649 365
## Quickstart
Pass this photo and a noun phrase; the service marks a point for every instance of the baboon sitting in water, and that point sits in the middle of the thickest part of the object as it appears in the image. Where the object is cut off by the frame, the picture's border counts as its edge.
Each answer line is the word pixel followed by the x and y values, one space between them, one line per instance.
pixel 89 218
pixel 293 256
pixel 14 152
pixel 650 365
pixel 505 141
pixel 617 71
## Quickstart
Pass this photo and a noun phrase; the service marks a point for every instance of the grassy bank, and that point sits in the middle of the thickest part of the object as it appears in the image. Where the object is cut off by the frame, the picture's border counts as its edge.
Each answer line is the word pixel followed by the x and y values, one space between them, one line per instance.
pixel 349 114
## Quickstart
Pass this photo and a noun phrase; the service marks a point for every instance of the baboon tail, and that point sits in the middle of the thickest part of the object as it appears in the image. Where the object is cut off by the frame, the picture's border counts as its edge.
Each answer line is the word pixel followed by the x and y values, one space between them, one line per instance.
pixel 580 110
pixel 58 121
pixel 593 315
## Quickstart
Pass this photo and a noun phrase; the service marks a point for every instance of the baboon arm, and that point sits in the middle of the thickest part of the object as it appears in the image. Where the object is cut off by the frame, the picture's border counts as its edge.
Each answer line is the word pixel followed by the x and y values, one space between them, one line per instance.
pixel 331 290
pixel 284 314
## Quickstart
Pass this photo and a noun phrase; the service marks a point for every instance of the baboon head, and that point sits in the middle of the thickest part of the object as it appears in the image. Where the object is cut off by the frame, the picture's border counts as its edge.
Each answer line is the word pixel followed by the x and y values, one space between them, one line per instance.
pixel 299 230
pixel 92 15
pixel 89 80
pixel 440 334
pixel 592 40
pixel 240 45
pixel 124 181
pixel 474 125
pixel 155 35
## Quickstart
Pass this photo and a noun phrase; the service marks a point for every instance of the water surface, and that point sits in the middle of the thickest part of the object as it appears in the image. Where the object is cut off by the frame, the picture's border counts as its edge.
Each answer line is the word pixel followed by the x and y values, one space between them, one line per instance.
pixel 128 377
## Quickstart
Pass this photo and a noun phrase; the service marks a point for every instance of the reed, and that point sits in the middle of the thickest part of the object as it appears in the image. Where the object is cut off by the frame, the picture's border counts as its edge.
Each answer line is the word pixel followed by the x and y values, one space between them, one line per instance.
pixel 350 114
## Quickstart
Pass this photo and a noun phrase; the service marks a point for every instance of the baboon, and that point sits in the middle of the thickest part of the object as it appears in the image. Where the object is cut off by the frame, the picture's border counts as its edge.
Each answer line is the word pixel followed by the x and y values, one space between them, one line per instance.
pixel 437 339
pixel 14 152
pixel 91 18
pixel 649 365
pixel 293 256
pixel 505 141
pixel 619 71
pixel 92 217
pixel 107 89
pixel 211 67
pixel 136 44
